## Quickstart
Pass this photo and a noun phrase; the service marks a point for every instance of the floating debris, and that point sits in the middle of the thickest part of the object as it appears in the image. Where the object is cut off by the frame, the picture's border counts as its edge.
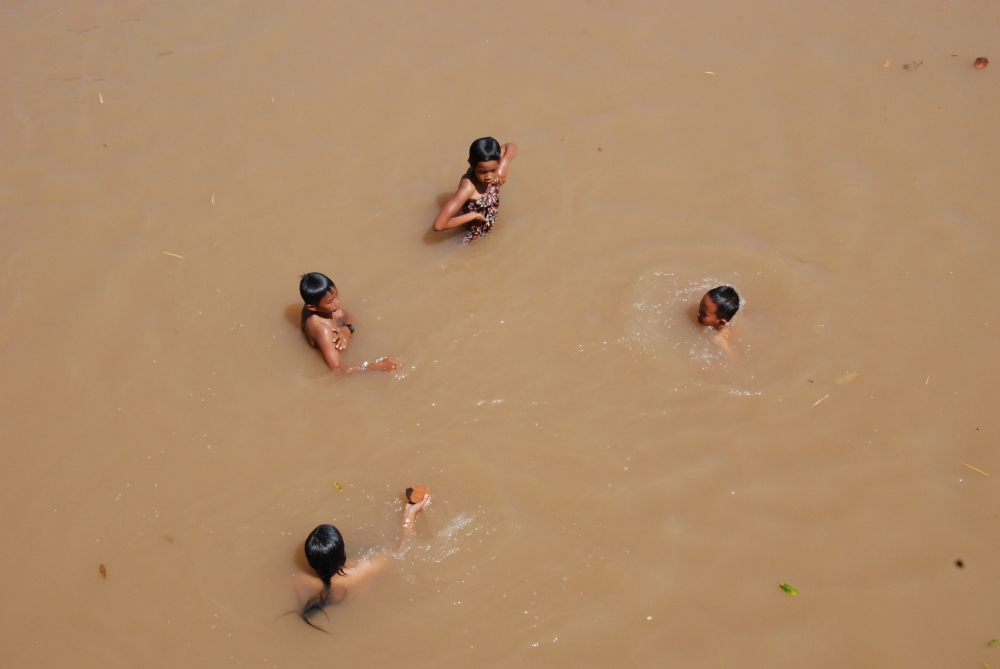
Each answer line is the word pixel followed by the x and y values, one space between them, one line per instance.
pixel 338 486
pixel 981 63
pixel 847 378
pixel 886 63
pixel 974 468
pixel 787 588
pixel 994 643
pixel 168 253
pixel 103 570
pixel 912 66
pixel 820 399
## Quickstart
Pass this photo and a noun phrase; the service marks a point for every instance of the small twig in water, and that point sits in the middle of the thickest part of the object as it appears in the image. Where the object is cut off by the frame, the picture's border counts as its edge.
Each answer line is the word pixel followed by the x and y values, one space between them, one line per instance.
pixel 168 253
pixel 820 400
pixel 971 467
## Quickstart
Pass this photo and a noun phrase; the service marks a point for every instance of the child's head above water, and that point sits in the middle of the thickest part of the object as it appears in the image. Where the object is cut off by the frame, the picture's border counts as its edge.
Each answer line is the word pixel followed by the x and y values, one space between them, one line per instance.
pixel 319 292
pixel 484 159
pixel 718 307
pixel 325 552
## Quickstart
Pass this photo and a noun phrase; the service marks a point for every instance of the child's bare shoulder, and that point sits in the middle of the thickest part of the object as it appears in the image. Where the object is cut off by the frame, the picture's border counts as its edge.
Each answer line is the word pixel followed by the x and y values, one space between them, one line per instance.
pixel 316 326
pixel 465 185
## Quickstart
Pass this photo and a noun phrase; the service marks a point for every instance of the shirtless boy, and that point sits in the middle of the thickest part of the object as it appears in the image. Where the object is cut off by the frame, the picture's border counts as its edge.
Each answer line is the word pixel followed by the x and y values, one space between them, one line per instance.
pixel 716 310
pixel 328 327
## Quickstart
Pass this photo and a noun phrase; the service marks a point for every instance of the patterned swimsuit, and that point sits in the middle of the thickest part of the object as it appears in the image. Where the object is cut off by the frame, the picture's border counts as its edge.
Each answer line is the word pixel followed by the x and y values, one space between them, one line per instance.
pixel 487 205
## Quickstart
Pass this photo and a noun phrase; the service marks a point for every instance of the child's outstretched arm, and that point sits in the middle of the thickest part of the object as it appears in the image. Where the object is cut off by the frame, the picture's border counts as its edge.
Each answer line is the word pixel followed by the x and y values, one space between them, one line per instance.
pixel 363 570
pixel 507 153
pixel 446 220
pixel 326 341
pixel 410 518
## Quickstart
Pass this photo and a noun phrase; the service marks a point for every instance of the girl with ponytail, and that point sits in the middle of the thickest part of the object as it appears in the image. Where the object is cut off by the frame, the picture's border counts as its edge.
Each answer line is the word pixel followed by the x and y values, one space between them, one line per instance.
pixel 326 554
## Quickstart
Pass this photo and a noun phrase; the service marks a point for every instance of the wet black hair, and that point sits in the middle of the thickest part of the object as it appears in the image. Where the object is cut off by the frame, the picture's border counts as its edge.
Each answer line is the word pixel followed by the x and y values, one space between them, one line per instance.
pixel 326 554
pixel 727 302
pixel 313 287
pixel 483 150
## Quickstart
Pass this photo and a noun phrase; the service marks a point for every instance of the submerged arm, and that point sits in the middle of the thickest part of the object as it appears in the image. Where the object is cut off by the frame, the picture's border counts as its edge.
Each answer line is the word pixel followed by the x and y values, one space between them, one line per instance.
pixel 722 337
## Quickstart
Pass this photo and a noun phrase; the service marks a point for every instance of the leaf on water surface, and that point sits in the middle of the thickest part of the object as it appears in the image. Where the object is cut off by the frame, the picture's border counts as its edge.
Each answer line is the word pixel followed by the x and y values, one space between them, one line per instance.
pixel 103 570
pixel 787 588
pixel 847 378
pixel 338 486
pixel 994 643
pixel 981 63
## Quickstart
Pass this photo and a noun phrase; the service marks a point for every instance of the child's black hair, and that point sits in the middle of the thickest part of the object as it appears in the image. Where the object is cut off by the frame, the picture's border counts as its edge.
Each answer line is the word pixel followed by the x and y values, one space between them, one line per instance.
pixel 727 302
pixel 326 554
pixel 314 286
pixel 483 150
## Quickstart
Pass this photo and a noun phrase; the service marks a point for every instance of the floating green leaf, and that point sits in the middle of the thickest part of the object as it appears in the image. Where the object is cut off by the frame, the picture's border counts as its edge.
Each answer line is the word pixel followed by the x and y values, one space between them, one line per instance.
pixel 912 66
pixel 994 643
pixel 787 588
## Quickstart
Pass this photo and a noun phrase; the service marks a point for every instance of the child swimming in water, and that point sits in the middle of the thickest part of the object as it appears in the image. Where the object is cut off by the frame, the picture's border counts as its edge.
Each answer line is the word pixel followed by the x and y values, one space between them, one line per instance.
pixel 478 195
pixel 328 327
pixel 326 554
pixel 716 310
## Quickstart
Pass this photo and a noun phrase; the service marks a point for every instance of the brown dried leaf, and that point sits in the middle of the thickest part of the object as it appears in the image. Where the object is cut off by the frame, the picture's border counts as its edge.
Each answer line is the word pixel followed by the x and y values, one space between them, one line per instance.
pixel 844 380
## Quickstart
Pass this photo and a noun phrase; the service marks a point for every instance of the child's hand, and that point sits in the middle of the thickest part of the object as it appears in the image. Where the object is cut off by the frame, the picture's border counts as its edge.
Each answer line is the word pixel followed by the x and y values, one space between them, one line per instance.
pixel 342 338
pixel 413 509
pixel 478 217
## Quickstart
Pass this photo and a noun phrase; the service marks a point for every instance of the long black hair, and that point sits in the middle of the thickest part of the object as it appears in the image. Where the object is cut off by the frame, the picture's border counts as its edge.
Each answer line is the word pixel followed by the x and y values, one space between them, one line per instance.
pixel 483 150
pixel 326 554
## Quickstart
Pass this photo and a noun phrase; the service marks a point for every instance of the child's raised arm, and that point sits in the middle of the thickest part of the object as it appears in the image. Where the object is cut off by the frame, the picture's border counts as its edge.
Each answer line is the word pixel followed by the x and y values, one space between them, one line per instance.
pixel 446 220
pixel 364 570
pixel 410 518
pixel 507 153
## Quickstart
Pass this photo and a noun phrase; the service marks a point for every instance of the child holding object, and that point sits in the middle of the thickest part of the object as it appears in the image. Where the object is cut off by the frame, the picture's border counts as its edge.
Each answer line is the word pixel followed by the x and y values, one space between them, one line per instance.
pixel 326 554
pixel 478 197
pixel 328 327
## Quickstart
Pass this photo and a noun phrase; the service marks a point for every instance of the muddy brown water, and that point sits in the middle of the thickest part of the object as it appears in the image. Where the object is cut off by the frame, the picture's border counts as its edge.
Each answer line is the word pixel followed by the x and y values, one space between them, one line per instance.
pixel 609 490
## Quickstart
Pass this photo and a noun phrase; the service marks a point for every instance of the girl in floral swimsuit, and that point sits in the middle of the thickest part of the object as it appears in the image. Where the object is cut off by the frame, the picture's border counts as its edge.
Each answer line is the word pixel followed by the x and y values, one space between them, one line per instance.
pixel 478 196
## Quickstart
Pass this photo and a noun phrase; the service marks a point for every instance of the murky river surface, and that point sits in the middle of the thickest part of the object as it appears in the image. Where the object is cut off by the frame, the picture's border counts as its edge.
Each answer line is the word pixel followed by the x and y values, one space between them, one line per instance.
pixel 609 489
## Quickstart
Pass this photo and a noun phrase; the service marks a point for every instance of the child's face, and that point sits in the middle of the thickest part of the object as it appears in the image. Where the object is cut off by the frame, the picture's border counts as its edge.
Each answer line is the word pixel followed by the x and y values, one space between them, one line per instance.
pixel 329 303
pixel 486 173
pixel 707 314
